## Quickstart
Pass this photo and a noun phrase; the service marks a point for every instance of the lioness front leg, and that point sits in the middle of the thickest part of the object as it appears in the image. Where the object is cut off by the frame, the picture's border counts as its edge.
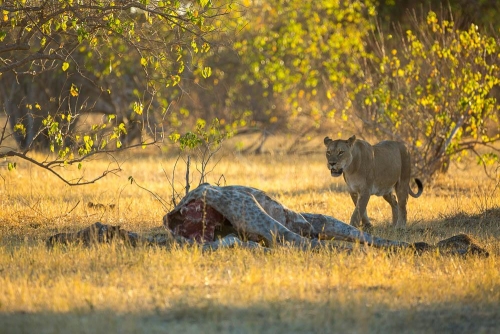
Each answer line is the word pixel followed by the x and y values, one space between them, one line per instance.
pixel 359 217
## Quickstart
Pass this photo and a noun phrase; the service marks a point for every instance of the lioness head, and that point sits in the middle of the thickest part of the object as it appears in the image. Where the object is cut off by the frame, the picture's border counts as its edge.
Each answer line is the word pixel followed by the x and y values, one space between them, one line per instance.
pixel 338 154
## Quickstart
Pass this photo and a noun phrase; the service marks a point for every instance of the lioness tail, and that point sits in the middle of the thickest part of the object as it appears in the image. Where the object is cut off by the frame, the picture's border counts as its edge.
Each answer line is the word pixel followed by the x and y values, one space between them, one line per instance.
pixel 420 189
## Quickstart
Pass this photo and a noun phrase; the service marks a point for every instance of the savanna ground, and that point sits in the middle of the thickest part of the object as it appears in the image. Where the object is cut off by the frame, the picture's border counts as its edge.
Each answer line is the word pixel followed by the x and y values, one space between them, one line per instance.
pixel 113 288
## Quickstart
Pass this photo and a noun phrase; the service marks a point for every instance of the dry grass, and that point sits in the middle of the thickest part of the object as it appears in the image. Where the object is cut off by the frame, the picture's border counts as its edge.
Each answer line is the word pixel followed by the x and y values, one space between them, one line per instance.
pixel 117 289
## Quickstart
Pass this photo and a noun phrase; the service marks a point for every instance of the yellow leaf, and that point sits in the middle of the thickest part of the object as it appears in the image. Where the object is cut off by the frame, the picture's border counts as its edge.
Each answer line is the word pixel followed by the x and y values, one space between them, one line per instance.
pixel 206 72
pixel 65 66
pixel 138 108
pixel 174 137
pixel 74 90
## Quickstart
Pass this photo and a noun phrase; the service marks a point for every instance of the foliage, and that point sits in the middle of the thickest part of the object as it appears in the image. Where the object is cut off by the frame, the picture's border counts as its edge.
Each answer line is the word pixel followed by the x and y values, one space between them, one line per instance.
pixel 77 79
pixel 435 92
pixel 297 72
pixel 465 12
pixel 287 69
pixel 204 143
pixel 61 60
pixel 298 55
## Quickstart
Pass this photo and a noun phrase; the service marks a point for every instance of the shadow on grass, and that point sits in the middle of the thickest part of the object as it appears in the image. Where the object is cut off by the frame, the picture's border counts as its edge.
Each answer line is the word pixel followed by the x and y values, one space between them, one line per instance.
pixel 486 223
pixel 483 228
pixel 294 316
pixel 488 219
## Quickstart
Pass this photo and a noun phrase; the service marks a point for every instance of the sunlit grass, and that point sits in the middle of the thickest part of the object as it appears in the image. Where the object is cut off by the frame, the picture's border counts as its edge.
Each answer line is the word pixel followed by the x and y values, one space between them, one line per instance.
pixel 115 288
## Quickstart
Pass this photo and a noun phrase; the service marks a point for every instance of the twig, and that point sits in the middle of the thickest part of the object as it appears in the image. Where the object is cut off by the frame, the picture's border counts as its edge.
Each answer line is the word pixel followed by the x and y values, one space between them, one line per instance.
pixel 49 166
pixel 158 198
pixel 119 196
pixel 220 178
pixel 484 164
pixel 174 193
pixel 3 130
pixel 187 173
pixel 67 213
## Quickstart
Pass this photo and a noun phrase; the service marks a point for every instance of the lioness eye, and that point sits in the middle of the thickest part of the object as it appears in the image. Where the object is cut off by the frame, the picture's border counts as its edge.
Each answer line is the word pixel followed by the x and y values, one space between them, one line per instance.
pixel 341 152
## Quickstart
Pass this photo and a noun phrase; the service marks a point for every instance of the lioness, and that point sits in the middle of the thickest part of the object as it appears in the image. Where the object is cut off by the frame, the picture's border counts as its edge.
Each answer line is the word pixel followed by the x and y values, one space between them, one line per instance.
pixel 373 170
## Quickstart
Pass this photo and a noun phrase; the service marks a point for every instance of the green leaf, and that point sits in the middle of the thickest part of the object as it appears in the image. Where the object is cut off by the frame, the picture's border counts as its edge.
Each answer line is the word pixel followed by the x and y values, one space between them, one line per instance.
pixel 204 3
pixel 11 166
pixel 189 140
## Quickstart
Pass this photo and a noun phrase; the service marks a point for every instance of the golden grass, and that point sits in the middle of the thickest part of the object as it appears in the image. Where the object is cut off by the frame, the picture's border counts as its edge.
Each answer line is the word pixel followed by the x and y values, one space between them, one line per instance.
pixel 113 288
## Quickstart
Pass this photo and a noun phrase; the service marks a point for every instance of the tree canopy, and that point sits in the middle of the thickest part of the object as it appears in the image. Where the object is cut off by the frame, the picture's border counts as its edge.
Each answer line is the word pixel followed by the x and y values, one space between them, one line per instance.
pixel 79 78
pixel 62 61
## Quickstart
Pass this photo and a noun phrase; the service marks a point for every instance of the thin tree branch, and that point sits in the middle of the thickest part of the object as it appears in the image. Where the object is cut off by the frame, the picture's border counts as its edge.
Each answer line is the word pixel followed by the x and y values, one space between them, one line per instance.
pixel 158 198
pixel 59 176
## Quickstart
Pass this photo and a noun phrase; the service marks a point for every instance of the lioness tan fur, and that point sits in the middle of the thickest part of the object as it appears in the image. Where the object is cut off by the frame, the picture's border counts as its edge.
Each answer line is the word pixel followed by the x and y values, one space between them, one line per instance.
pixel 373 170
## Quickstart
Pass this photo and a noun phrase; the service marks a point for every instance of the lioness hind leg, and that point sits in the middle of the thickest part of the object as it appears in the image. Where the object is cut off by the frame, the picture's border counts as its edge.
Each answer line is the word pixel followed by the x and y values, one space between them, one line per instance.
pixel 402 194
pixel 391 199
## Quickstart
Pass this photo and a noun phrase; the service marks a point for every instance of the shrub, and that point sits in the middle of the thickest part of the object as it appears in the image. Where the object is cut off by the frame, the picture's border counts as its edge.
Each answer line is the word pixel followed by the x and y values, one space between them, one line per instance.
pixel 435 92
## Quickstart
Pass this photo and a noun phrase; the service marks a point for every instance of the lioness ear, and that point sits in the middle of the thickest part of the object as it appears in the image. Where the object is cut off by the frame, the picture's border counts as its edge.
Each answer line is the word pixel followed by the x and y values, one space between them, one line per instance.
pixel 327 141
pixel 351 140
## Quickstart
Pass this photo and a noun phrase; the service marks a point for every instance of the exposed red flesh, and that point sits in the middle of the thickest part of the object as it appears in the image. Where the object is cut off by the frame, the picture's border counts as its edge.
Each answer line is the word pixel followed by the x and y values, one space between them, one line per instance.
pixel 198 222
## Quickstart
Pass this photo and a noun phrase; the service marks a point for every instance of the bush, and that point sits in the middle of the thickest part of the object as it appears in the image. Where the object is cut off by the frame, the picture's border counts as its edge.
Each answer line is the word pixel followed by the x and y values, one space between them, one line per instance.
pixel 435 92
